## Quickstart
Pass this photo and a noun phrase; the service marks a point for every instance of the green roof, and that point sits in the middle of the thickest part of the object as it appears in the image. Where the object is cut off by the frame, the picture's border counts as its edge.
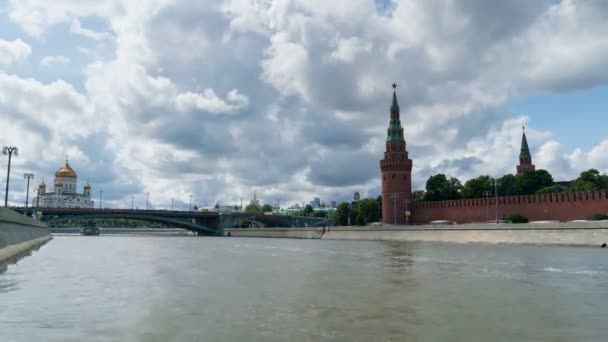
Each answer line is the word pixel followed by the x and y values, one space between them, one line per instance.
pixel 395 104
pixel 525 150
pixel 395 130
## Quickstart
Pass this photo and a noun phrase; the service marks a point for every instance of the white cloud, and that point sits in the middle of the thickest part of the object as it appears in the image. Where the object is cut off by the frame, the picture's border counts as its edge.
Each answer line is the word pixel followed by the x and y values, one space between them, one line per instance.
pixel 76 28
pixel 208 101
pixel 306 84
pixel 47 61
pixel 13 51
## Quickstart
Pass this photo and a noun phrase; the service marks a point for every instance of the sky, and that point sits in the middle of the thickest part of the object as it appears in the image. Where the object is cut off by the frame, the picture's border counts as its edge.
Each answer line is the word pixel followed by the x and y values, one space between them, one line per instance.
pixel 290 98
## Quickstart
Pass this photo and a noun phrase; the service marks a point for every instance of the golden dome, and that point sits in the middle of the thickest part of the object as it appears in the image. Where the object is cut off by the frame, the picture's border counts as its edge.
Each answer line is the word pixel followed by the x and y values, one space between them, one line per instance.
pixel 42 185
pixel 66 171
pixel 58 183
pixel 87 187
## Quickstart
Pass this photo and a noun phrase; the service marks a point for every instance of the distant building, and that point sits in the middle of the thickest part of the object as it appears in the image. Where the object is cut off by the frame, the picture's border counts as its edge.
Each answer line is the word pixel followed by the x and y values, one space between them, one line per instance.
pixel 333 204
pixel 64 193
pixel 525 158
pixel 316 202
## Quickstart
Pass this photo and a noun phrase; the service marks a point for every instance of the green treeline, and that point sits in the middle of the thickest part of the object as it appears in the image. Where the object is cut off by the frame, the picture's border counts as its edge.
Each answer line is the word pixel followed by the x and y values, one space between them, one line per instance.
pixel 440 188
pixel 359 213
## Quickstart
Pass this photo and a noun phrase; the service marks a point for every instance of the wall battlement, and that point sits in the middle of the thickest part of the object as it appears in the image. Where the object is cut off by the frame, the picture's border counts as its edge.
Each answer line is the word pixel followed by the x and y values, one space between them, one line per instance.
pixel 564 206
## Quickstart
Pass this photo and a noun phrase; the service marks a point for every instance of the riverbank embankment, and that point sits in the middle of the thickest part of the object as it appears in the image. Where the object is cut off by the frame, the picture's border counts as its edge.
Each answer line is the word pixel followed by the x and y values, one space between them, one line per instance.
pixel 19 234
pixel 552 233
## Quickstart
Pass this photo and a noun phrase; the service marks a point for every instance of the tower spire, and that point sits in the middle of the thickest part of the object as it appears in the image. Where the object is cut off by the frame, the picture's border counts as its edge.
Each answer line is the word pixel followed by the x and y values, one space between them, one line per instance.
pixel 396 168
pixel 395 103
pixel 395 130
pixel 525 158
pixel 525 150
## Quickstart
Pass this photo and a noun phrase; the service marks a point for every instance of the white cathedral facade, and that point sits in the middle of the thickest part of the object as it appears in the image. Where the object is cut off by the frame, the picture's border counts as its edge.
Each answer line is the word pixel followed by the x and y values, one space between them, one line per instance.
pixel 64 193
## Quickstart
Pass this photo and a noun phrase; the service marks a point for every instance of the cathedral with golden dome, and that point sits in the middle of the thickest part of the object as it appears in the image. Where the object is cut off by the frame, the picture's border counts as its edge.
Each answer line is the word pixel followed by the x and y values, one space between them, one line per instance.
pixel 64 193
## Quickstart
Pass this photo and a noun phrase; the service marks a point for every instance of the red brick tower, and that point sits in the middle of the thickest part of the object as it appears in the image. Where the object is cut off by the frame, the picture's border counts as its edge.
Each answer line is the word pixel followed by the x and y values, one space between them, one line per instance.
pixel 525 158
pixel 396 170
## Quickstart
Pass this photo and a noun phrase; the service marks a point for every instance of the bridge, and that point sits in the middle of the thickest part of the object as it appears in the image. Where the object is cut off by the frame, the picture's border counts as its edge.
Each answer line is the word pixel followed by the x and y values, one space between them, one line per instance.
pixel 201 223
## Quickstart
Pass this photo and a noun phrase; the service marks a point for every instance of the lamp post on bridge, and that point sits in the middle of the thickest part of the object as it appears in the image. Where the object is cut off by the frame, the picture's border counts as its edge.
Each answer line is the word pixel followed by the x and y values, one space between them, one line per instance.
pixel 190 196
pixel 100 193
pixel 27 176
pixel 10 150
pixel 132 201
pixel 147 200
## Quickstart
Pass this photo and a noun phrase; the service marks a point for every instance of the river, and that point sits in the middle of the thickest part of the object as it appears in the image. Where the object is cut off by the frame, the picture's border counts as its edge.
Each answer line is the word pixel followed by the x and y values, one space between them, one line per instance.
pixel 147 288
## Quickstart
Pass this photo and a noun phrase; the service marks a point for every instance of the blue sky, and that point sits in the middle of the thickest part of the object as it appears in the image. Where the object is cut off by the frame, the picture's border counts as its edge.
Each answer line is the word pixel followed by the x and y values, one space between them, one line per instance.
pixel 290 98
pixel 575 119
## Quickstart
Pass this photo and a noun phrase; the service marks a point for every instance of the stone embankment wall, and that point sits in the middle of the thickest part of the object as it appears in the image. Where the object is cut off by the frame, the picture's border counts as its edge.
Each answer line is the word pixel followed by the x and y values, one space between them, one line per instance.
pixel 293 233
pixel 19 234
pixel 565 206
pixel 592 234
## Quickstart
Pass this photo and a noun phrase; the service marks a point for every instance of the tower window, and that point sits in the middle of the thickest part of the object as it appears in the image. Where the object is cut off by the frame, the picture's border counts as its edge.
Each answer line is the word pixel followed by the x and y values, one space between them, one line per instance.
pixel 404 177
pixel 393 176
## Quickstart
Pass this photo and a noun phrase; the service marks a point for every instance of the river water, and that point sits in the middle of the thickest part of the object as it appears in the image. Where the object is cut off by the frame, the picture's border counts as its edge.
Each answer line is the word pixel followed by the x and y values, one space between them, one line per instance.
pixel 145 288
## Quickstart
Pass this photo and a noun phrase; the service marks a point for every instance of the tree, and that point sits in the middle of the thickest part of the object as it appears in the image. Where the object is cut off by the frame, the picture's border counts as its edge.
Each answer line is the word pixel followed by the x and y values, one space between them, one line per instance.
pixel 253 208
pixel 582 185
pixel 531 181
pixel 418 196
pixel 553 189
pixel 266 208
pixel 591 176
pixel 308 210
pixel 440 188
pixel 354 211
pixel 590 180
pixel 506 185
pixel 475 187
pixel 341 214
pixel 379 200
pixel 367 211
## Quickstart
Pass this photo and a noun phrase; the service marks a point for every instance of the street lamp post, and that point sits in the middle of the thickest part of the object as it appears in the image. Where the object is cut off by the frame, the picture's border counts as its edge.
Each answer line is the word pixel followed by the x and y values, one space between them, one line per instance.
pixel 147 201
pixel 100 193
pixel 171 203
pixel 132 201
pixel 10 150
pixel 496 197
pixel 27 176
pixel 190 196
pixel 487 195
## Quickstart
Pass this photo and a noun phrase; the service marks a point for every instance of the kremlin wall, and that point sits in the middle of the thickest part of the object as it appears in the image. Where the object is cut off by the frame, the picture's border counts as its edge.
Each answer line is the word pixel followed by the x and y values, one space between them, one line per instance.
pixel 396 170
pixel 566 206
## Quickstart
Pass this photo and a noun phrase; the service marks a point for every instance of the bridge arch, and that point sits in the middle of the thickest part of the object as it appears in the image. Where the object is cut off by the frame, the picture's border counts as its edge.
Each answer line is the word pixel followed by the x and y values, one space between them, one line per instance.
pixel 173 222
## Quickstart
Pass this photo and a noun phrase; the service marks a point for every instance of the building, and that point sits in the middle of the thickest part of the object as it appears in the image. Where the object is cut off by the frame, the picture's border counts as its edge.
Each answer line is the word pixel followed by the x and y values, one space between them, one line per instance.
pixel 316 202
pixel 525 158
pixel 396 168
pixel 64 193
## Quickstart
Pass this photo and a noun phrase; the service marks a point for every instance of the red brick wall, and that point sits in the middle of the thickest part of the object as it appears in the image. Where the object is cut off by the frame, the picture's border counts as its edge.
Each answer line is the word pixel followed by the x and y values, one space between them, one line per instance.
pixel 562 207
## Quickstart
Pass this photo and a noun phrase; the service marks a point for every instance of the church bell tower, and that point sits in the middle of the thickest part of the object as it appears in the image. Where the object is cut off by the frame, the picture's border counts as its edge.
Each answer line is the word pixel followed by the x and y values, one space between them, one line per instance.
pixel 396 170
